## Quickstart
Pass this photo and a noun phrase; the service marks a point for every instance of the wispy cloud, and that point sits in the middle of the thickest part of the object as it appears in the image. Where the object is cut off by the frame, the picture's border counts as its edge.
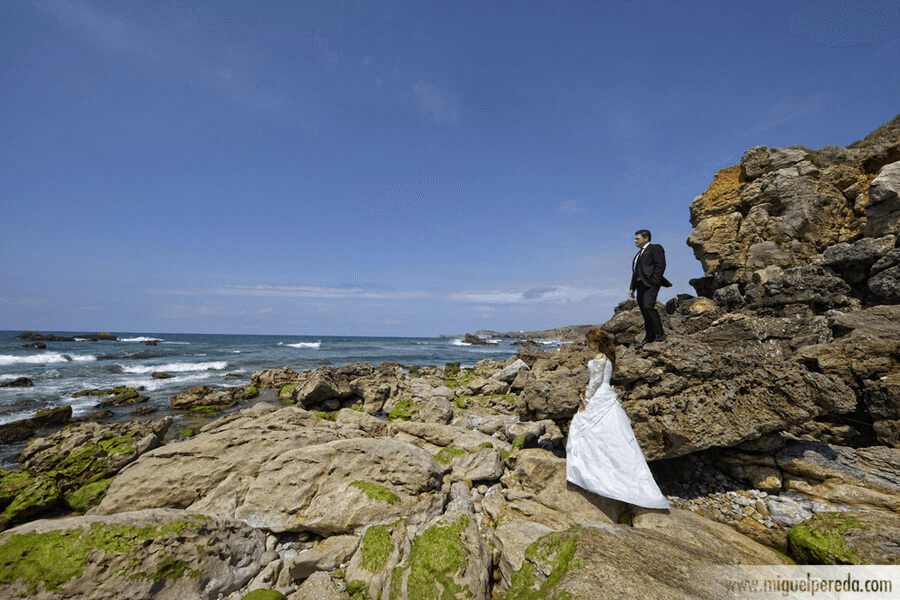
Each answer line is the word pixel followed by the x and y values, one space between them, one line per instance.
pixel 530 295
pixel 434 102
pixel 570 207
pixel 533 295
pixel 120 35
pixel 787 112
pixel 110 33
pixel 299 291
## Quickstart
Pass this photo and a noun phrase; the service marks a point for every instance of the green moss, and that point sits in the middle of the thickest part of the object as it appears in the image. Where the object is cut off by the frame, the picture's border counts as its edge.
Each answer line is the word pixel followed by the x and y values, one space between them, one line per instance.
pixel 486 445
pixel 519 442
pixel 13 482
pixel 358 590
pixel 460 402
pixel 287 390
pixel 504 454
pixel 376 548
pixel 189 432
pixel 435 558
pixel 206 409
pixel 169 568
pixel 820 540
pixel 445 456
pixel 124 396
pixel 42 493
pixel 89 495
pixel 53 558
pixel 555 553
pixel 376 492
pixel 250 392
pixel 324 415
pixel 405 410
pixel 264 595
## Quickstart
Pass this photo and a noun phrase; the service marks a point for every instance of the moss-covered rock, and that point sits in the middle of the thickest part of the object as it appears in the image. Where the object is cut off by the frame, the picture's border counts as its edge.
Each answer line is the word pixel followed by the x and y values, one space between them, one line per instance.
pixel 25 495
pixel 264 595
pixel 548 560
pixel 376 492
pixel 820 540
pixel 438 565
pixel 406 410
pixel 447 454
pixel 376 547
pixel 247 393
pixel 847 538
pixel 88 495
pixel 144 554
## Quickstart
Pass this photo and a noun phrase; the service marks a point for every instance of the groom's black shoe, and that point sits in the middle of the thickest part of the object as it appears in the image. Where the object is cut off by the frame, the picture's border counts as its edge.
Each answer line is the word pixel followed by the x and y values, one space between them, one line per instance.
pixel 661 338
pixel 642 343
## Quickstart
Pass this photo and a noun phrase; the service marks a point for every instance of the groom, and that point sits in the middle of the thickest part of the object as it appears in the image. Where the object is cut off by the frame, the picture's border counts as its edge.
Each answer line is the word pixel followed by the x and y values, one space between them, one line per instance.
pixel 646 278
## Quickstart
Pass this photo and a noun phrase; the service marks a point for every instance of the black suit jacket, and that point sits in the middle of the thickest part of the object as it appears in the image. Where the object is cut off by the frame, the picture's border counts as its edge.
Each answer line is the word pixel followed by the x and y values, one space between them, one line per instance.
pixel 650 267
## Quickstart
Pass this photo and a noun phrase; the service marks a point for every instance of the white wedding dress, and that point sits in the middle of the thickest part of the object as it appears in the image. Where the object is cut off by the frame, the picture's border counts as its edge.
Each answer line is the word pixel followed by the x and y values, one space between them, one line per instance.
pixel 602 454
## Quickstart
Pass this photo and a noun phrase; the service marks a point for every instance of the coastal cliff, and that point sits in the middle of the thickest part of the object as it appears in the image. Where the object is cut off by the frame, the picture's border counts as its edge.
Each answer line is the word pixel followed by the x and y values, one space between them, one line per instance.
pixel 771 418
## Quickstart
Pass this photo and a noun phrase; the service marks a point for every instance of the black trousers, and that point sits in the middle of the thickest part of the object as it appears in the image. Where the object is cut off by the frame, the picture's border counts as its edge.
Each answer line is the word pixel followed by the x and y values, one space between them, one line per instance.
pixel 646 299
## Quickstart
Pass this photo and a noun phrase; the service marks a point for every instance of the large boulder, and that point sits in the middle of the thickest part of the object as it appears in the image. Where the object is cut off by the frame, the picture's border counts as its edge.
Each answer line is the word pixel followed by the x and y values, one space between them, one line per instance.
pixel 180 473
pixel 883 211
pixel 689 395
pixel 160 554
pixel 666 556
pixel 339 487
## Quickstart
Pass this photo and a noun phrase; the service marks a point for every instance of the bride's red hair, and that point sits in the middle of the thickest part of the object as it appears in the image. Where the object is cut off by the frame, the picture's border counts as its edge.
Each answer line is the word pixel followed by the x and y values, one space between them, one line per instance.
pixel 602 343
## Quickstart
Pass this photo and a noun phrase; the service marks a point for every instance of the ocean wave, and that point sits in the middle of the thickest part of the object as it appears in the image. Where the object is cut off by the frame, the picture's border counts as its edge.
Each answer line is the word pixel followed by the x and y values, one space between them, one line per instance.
pixel 45 358
pixel 140 339
pixel 315 345
pixel 462 342
pixel 175 367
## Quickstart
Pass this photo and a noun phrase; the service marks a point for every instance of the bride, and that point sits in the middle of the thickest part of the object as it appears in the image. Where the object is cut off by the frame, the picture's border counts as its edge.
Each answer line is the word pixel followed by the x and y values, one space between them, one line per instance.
pixel 602 454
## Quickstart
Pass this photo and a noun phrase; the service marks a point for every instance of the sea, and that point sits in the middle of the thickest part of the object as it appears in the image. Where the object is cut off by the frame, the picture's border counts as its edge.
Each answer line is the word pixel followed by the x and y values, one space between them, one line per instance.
pixel 62 369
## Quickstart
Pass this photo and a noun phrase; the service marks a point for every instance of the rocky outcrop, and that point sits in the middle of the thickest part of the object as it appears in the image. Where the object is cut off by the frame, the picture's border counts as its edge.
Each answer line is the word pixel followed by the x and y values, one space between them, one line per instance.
pixel 18 382
pixel 49 337
pixel 783 207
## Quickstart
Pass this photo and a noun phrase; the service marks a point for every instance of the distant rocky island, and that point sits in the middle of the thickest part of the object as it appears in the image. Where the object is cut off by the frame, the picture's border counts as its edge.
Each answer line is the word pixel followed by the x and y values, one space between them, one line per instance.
pixel 771 418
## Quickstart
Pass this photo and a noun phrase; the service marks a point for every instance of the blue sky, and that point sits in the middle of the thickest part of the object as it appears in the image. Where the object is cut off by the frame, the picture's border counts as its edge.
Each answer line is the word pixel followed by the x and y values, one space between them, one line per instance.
pixel 392 168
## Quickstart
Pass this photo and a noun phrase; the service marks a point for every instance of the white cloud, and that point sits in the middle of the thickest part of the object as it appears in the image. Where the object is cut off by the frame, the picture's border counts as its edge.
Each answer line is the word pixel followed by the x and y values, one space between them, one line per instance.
pixel 554 294
pixel 533 295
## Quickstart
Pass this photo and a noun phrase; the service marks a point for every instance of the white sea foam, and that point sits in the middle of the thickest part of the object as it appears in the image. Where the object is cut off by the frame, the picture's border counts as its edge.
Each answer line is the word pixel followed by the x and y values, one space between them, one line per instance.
pixel 140 339
pixel 45 358
pixel 174 367
pixel 460 342
pixel 306 345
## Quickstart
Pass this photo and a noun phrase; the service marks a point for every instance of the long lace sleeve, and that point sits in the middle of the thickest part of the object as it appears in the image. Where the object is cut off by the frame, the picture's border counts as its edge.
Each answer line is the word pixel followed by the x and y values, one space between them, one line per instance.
pixel 597 368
